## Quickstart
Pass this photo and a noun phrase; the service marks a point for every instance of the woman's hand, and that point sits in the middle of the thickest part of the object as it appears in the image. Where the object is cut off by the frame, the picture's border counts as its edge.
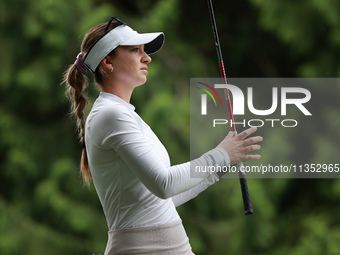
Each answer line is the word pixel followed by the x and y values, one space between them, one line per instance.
pixel 238 146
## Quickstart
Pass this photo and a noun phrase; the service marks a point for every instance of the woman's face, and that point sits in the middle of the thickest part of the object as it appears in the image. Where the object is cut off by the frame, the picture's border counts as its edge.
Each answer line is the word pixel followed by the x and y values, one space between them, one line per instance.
pixel 130 65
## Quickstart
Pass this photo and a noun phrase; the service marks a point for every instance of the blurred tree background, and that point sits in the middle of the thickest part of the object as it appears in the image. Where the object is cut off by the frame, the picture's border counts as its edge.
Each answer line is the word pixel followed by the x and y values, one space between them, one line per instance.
pixel 44 206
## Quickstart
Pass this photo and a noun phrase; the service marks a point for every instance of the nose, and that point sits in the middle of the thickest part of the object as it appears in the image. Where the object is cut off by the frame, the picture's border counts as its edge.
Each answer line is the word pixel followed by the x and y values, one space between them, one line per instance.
pixel 146 58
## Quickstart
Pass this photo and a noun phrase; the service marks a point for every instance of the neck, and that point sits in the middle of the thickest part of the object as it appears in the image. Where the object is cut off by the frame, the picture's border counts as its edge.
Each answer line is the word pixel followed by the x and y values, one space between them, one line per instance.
pixel 121 91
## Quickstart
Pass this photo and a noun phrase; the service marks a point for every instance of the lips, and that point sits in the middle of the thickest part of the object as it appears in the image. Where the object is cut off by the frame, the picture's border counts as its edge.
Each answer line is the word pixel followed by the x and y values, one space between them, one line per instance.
pixel 145 69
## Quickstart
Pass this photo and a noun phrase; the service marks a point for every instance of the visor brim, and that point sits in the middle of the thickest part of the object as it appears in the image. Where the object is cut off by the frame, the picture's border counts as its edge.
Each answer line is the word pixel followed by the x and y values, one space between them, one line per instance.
pixel 152 42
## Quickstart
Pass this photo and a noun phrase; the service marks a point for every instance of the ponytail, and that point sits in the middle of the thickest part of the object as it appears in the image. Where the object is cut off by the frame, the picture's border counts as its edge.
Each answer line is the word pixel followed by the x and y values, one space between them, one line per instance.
pixel 77 83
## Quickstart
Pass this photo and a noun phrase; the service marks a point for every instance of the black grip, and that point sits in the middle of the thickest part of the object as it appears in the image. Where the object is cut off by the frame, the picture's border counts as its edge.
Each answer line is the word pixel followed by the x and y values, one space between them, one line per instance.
pixel 248 208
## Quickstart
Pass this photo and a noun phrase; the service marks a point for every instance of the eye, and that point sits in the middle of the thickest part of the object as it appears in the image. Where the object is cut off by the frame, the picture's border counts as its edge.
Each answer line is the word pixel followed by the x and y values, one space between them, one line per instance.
pixel 136 49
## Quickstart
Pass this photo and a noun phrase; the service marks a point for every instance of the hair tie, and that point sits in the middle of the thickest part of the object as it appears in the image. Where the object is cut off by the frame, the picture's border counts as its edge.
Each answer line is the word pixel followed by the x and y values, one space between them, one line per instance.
pixel 80 64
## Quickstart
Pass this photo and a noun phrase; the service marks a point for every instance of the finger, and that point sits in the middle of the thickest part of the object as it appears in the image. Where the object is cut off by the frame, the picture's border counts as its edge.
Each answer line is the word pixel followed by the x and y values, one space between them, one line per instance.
pixel 251 148
pixel 230 135
pixel 252 140
pixel 246 133
pixel 251 157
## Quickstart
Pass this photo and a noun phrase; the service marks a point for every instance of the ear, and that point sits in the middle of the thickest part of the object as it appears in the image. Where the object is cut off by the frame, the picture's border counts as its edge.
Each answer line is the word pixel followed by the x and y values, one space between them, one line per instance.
pixel 107 63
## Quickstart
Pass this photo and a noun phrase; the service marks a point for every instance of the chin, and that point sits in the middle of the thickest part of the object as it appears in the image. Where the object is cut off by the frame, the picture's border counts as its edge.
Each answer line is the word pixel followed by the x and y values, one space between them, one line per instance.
pixel 141 83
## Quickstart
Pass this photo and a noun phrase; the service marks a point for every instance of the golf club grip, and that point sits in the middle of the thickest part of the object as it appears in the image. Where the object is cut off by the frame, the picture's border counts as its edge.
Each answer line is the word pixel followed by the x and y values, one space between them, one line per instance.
pixel 248 208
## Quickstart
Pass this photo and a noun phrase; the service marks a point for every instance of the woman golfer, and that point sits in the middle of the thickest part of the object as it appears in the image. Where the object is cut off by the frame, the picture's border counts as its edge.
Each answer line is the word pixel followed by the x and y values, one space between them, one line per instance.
pixel 130 168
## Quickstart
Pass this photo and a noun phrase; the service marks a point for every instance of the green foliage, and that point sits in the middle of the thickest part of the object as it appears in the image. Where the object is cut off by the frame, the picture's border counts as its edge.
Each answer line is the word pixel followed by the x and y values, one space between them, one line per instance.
pixel 309 28
pixel 44 205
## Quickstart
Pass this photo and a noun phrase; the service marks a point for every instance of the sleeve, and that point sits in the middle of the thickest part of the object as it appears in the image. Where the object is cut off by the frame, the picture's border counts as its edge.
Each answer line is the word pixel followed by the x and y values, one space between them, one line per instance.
pixel 193 192
pixel 118 130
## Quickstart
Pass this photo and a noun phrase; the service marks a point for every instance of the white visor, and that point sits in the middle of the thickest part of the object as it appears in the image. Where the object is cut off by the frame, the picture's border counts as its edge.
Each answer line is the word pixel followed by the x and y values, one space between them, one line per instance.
pixel 125 36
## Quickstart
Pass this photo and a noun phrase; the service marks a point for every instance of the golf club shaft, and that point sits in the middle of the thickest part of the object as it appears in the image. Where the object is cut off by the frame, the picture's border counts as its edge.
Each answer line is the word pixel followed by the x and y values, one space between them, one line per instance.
pixel 242 177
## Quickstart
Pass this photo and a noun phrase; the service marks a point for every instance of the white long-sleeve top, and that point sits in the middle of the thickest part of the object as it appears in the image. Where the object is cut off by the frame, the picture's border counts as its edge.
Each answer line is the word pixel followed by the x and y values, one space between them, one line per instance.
pixel 131 169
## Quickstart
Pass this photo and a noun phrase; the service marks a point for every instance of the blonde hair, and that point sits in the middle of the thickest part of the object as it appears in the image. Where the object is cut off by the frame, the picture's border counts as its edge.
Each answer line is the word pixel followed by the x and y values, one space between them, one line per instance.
pixel 76 84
